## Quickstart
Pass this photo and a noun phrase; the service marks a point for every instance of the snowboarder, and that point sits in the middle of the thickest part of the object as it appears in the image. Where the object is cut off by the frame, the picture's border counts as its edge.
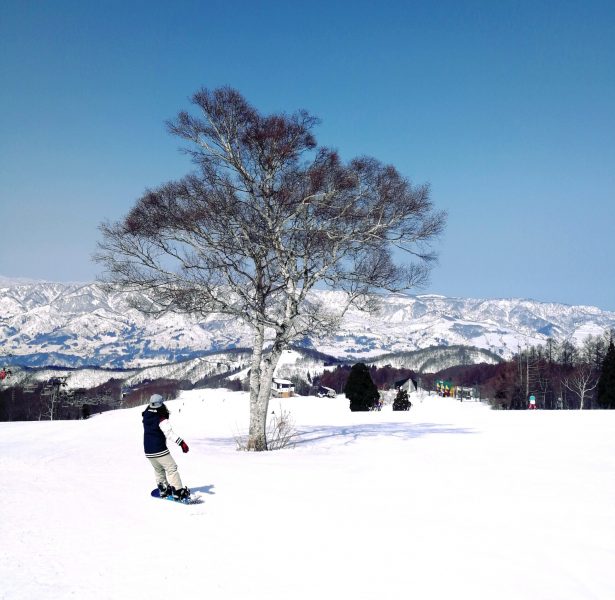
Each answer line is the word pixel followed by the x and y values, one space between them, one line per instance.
pixel 156 431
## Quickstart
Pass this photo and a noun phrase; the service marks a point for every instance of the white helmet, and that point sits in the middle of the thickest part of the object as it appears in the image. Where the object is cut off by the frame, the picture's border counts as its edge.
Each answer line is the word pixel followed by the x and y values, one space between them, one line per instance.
pixel 156 401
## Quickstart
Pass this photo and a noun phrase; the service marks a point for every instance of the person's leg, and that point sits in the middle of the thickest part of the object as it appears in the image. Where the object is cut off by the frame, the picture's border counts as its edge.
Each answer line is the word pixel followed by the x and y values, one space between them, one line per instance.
pixel 161 477
pixel 170 469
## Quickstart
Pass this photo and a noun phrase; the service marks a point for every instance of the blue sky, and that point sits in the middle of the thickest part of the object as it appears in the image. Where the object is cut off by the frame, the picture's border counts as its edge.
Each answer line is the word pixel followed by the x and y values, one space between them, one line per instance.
pixel 505 108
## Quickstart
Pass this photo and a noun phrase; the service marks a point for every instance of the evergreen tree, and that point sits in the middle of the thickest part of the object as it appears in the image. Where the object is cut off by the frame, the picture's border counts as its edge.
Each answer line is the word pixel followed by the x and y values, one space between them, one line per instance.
pixel 360 388
pixel 606 383
pixel 402 402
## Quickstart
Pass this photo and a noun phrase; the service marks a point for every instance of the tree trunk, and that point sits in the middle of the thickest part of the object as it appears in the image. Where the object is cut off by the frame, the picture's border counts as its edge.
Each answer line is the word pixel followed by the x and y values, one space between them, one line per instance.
pixel 257 437
pixel 261 376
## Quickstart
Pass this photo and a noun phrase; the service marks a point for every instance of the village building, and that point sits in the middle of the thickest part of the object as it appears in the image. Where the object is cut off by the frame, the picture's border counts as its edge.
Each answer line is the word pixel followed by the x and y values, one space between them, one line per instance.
pixel 282 388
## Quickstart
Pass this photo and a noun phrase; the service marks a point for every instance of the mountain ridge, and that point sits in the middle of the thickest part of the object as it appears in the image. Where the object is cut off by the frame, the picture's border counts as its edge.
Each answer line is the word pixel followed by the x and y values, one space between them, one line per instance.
pixel 75 324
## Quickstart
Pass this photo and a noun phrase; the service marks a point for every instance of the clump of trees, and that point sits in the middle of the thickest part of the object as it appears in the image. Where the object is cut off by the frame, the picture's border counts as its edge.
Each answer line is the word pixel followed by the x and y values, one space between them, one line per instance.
pixel 53 400
pixel 360 389
pixel 383 377
pixel 140 394
pixel 559 375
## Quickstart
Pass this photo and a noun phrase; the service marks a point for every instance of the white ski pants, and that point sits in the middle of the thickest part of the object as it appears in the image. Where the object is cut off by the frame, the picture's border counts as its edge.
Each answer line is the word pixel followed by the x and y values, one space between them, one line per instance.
pixel 166 470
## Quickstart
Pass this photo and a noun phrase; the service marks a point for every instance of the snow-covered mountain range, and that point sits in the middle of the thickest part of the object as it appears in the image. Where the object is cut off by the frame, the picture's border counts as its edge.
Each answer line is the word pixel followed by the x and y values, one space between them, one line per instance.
pixel 80 324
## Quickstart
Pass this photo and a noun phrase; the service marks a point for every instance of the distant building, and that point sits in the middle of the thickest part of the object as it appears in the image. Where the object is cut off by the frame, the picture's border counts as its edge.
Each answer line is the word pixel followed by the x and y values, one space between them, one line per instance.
pixel 445 388
pixel 282 388
pixel 326 392
pixel 408 384
pixel 465 393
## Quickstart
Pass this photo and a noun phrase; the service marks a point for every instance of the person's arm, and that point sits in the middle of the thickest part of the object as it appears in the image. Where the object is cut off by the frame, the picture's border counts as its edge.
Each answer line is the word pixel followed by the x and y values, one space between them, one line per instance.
pixel 165 426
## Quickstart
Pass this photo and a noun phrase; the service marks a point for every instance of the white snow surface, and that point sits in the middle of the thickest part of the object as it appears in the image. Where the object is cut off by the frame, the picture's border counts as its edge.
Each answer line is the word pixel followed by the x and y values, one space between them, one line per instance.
pixel 448 500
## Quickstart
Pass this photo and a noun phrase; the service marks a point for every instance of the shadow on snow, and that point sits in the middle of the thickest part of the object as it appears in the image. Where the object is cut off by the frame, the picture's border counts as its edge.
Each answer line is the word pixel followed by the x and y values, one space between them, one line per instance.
pixel 205 489
pixel 349 434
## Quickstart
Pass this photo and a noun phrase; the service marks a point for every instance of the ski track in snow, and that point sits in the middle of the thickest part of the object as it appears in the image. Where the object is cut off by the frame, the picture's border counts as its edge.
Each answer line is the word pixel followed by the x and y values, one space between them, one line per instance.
pixel 447 500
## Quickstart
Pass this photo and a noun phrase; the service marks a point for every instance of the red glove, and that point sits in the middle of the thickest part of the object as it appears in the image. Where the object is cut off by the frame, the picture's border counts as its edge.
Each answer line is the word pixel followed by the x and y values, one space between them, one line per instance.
pixel 184 447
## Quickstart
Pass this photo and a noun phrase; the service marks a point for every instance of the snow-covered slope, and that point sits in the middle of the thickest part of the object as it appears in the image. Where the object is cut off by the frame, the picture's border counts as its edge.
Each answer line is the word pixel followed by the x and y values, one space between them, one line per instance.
pixel 448 500
pixel 76 325
pixel 192 370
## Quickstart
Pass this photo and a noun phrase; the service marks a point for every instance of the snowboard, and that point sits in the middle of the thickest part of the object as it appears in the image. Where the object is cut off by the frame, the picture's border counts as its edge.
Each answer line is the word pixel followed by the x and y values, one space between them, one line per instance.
pixel 191 500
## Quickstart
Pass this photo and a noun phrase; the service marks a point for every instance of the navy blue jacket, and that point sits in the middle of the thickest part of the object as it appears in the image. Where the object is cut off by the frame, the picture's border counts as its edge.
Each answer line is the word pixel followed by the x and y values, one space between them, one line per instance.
pixel 154 439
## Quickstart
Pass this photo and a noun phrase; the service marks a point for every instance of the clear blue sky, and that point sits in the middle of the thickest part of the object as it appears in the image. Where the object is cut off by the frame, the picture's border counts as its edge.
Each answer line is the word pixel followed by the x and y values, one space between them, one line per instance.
pixel 506 108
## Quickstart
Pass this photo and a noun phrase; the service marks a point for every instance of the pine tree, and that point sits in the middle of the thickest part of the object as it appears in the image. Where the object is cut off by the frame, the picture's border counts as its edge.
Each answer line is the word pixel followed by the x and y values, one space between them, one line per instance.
pixel 402 402
pixel 606 383
pixel 360 388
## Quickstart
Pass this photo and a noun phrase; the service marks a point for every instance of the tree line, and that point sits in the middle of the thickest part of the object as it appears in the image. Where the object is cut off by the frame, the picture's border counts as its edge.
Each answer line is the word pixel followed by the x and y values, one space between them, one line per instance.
pixel 52 400
pixel 559 375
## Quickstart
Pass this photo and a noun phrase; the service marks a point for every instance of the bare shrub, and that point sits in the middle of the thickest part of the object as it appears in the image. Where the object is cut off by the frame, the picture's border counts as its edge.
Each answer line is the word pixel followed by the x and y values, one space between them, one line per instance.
pixel 281 432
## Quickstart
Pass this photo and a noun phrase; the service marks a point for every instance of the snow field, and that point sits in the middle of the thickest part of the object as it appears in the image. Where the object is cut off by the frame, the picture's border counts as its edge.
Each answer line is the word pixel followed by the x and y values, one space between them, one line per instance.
pixel 447 500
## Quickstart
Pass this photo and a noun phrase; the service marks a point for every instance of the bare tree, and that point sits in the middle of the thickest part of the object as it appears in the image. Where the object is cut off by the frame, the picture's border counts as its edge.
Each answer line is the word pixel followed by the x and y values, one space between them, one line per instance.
pixel 581 381
pixel 52 393
pixel 266 216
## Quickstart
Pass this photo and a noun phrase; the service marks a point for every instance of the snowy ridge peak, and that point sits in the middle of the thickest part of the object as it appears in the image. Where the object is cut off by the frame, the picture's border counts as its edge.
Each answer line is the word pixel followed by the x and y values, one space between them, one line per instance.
pixel 73 325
